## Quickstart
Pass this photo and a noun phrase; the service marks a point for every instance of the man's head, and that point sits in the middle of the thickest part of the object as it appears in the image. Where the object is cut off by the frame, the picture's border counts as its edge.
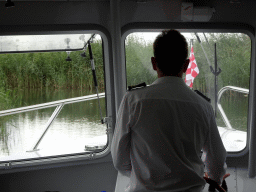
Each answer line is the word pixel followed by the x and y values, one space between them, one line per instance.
pixel 170 54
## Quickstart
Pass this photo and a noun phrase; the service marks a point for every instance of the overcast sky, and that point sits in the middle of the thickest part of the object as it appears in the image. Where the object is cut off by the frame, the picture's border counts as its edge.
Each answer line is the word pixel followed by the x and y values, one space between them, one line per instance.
pixel 151 36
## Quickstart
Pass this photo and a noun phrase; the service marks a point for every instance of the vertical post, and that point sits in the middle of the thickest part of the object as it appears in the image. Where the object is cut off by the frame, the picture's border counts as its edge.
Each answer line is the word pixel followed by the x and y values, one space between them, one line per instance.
pixel 216 72
pixel 119 71
pixel 252 140
pixel 191 43
pixel 215 79
pixel 252 119
pixel 95 79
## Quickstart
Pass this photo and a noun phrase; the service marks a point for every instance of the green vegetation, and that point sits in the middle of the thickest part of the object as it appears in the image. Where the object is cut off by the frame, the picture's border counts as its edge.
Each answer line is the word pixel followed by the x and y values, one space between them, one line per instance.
pixel 7 101
pixel 51 70
pixel 4 102
pixel 138 61
pixel 233 58
pixel 233 54
pixel 47 72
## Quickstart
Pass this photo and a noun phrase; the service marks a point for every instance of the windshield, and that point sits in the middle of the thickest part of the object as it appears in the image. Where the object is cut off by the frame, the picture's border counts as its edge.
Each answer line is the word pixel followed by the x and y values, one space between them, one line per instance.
pixel 231 68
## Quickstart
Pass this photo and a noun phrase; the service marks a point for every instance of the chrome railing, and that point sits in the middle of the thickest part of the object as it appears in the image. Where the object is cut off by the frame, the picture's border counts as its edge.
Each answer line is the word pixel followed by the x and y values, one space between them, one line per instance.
pixel 60 104
pixel 223 115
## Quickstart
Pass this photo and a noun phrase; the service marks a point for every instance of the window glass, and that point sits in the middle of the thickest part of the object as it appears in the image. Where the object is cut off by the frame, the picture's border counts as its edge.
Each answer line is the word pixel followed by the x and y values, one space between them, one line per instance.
pixel 233 64
pixel 42 42
pixel 37 78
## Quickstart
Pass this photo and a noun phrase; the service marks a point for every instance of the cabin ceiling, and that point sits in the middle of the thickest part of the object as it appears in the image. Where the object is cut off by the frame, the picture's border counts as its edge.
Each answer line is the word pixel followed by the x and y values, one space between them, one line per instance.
pixel 51 12
pixel 196 2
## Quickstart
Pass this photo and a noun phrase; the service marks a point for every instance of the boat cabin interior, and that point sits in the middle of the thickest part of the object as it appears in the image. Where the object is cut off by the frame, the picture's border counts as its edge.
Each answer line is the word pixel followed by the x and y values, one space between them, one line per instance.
pixel 65 66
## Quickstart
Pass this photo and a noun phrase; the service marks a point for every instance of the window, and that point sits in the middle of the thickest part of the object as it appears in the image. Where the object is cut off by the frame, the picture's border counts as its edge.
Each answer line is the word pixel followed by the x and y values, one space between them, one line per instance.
pixel 50 73
pixel 233 59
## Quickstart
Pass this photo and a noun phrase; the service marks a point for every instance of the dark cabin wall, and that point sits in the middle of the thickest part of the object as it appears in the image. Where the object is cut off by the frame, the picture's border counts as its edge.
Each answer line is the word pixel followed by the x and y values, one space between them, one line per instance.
pixel 169 11
pixel 55 12
pixel 95 177
pixel 97 12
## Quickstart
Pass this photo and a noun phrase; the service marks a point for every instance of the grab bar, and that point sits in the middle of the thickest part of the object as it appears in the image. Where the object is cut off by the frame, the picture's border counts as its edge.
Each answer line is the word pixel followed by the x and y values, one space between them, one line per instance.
pixel 50 104
pixel 222 90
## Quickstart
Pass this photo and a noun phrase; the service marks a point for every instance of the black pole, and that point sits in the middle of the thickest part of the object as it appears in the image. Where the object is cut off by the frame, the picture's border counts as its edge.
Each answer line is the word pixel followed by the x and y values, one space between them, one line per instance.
pixel 199 40
pixel 215 79
pixel 216 73
pixel 95 79
pixel 191 43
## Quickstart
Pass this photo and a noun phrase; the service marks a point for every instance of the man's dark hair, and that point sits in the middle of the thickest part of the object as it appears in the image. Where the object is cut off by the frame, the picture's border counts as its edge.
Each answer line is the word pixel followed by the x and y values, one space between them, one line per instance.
pixel 170 51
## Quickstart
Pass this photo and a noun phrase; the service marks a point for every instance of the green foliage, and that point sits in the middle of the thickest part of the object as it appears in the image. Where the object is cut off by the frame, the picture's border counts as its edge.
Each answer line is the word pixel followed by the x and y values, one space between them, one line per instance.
pixel 51 70
pixel 46 71
pixel 7 101
pixel 138 61
pixel 233 54
pixel 233 58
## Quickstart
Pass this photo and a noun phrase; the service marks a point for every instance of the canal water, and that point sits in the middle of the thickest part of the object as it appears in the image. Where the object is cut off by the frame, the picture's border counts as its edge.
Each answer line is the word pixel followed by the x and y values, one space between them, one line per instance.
pixel 77 125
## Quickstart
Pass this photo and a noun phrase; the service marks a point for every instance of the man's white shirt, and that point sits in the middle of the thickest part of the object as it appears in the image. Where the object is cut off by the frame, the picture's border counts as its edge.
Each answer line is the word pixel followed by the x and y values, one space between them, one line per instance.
pixel 159 134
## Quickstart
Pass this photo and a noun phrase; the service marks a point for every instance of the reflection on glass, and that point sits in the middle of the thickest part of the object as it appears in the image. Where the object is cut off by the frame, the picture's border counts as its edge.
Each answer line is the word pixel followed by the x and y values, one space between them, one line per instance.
pixel 42 42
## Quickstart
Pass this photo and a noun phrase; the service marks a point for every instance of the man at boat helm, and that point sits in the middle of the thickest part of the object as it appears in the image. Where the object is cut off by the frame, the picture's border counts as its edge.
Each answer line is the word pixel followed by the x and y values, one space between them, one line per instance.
pixel 161 129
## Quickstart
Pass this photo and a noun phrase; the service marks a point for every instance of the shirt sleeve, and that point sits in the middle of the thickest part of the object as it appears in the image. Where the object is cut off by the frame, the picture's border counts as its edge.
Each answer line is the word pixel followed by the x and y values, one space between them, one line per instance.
pixel 214 152
pixel 121 143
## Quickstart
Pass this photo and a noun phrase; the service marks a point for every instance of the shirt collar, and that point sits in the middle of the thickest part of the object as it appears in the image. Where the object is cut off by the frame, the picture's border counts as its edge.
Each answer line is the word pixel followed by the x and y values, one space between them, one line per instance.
pixel 170 79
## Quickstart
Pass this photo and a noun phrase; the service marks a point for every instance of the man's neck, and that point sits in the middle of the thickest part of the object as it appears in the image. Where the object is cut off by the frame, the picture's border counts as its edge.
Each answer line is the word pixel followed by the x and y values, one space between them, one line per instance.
pixel 163 75
pixel 160 74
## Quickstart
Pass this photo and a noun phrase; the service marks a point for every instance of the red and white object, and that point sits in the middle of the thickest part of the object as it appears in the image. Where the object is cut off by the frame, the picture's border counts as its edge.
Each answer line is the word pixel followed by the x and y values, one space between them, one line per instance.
pixel 192 70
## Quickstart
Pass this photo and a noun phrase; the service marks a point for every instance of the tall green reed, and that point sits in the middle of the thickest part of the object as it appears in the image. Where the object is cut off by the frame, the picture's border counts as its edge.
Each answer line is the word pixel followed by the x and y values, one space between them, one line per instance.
pixel 8 99
pixel 50 70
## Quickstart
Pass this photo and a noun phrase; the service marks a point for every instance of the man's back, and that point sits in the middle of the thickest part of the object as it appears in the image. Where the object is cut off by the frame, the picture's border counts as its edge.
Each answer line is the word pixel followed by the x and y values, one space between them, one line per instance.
pixel 168 126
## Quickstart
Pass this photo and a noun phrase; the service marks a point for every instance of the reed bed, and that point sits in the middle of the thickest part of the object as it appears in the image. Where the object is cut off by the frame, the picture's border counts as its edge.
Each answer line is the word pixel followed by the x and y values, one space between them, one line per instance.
pixel 233 58
pixel 50 70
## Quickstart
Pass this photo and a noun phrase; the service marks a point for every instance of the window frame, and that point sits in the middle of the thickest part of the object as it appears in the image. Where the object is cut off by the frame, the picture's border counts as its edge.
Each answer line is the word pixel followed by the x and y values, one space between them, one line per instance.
pixel 199 28
pixel 75 158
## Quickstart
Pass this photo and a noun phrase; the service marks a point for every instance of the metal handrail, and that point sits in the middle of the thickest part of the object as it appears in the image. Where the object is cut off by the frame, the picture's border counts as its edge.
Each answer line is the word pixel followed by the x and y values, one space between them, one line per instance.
pixel 49 104
pixel 59 104
pixel 222 90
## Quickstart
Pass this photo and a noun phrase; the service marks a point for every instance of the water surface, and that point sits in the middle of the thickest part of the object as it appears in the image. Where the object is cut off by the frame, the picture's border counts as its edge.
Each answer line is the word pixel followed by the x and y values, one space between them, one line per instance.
pixel 77 125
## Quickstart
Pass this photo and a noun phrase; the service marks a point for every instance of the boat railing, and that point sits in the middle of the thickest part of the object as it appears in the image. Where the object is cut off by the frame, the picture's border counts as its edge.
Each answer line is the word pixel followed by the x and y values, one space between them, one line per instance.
pixel 58 104
pixel 220 93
